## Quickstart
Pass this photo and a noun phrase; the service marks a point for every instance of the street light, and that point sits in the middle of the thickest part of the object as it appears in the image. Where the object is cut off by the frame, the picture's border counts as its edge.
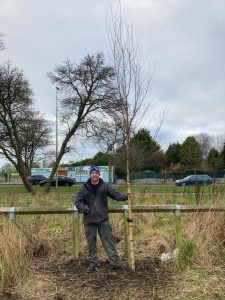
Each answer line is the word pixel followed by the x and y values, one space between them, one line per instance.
pixel 56 132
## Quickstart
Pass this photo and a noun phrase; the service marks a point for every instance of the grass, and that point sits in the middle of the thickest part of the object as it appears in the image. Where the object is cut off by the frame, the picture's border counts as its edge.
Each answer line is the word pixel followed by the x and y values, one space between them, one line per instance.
pixel 17 195
pixel 188 253
pixel 135 188
pixel 12 259
pixel 61 199
pixel 41 240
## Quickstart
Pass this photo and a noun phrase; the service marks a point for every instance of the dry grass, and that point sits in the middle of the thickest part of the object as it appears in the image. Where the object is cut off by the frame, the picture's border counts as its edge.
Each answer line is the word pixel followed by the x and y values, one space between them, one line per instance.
pixel 37 263
pixel 207 230
pixel 12 256
pixel 202 258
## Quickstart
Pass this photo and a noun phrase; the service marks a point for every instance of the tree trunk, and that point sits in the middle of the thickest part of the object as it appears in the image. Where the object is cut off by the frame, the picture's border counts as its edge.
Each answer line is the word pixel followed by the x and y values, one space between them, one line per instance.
pixel 23 174
pixel 110 167
pixel 54 170
pixel 131 260
pixel 28 186
pixel 59 157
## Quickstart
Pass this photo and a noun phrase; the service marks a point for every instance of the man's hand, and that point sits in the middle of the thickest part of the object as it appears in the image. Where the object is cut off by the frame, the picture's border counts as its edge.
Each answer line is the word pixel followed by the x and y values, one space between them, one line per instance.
pixel 86 210
pixel 130 196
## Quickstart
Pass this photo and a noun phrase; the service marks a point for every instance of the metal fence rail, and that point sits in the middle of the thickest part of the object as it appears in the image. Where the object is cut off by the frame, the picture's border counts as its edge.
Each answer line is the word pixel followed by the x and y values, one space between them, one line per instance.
pixel 177 209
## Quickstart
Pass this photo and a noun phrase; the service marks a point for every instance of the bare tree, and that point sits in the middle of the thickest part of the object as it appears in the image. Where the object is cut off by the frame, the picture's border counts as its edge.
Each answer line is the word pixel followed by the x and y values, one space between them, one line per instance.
pixel 35 136
pixel 133 87
pixel 218 141
pixel 23 132
pixel 89 93
pixel 205 142
pixel 107 135
pixel 158 122
pixel 208 142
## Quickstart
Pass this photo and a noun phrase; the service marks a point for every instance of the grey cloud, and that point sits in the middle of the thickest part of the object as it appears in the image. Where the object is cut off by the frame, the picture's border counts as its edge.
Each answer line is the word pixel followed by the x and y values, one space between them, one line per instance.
pixel 185 38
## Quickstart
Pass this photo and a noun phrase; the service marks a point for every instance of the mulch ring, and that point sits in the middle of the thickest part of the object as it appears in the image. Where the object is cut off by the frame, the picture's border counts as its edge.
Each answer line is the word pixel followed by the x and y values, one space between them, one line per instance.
pixel 69 280
pixel 150 278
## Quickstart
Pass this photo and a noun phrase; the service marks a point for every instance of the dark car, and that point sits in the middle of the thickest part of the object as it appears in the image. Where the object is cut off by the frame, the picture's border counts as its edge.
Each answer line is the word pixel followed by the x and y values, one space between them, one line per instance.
pixel 36 179
pixel 194 179
pixel 62 181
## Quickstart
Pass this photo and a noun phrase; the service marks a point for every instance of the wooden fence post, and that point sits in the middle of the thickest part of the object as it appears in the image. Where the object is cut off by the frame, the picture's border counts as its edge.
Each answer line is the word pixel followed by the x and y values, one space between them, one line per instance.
pixel 197 193
pixel 125 216
pixel 178 227
pixel 75 233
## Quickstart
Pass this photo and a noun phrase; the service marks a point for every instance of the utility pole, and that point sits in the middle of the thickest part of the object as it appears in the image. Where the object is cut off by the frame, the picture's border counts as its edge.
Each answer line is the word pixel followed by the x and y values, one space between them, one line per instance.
pixel 56 132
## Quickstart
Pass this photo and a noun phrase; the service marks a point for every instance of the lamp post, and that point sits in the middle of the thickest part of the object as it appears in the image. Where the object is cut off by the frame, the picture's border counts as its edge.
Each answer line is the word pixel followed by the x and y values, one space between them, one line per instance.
pixel 56 132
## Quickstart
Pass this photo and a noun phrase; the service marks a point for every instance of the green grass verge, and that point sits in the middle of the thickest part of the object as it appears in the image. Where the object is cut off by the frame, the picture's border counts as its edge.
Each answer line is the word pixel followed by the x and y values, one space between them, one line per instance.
pixel 143 195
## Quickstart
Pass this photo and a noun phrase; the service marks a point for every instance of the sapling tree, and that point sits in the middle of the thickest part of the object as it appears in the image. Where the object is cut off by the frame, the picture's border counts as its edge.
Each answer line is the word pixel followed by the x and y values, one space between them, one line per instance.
pixel 133 86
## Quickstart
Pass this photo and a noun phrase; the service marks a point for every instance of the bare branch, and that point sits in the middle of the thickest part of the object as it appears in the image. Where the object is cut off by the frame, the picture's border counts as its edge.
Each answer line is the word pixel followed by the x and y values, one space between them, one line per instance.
pixel 23 132
pixel 89 91
pixel 133 87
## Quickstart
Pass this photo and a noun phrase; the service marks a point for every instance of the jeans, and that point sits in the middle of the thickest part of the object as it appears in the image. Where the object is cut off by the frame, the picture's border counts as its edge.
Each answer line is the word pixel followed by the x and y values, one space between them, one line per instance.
pixel 105 233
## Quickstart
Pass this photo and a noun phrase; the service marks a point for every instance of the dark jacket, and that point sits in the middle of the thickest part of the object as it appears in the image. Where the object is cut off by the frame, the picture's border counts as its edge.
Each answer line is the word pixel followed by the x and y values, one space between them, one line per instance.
pixel 94 205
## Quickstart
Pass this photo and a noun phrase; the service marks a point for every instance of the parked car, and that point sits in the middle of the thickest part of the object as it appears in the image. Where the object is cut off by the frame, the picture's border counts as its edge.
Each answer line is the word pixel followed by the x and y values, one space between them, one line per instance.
pixel 62 181
pixel 36 179
pixel 194 179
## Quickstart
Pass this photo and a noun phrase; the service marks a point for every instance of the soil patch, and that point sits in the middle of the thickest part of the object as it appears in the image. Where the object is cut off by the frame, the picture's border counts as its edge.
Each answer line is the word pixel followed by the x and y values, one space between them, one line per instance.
pixel 69 280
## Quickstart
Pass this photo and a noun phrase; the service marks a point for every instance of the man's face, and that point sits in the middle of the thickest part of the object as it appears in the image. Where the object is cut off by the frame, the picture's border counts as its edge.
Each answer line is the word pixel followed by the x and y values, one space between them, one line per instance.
pixel 95 177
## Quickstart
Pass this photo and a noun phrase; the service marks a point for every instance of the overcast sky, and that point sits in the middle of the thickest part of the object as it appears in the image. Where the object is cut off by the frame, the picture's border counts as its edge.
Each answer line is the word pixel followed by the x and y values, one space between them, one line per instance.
pixel 184 39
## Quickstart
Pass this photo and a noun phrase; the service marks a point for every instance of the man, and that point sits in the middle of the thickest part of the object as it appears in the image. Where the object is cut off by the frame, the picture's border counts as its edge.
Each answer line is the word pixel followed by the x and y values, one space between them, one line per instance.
pixel 92 201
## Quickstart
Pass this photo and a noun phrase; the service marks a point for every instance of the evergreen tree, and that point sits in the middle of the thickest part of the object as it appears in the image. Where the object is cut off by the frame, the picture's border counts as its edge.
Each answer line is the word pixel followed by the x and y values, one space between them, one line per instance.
pixel 214 160
pixel 145 141
pixel 100 159
pixel 173 153
pixel 191 154
pixel 143 146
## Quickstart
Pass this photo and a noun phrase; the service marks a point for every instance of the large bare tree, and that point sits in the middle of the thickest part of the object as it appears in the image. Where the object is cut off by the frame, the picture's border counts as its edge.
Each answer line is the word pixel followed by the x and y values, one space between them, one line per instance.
pixel 133 86
pixel 89 93
pixel 23 132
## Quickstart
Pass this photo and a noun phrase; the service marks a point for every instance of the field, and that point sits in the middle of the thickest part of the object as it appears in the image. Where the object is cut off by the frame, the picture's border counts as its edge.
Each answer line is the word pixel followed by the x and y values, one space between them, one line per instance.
pixel 36 251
